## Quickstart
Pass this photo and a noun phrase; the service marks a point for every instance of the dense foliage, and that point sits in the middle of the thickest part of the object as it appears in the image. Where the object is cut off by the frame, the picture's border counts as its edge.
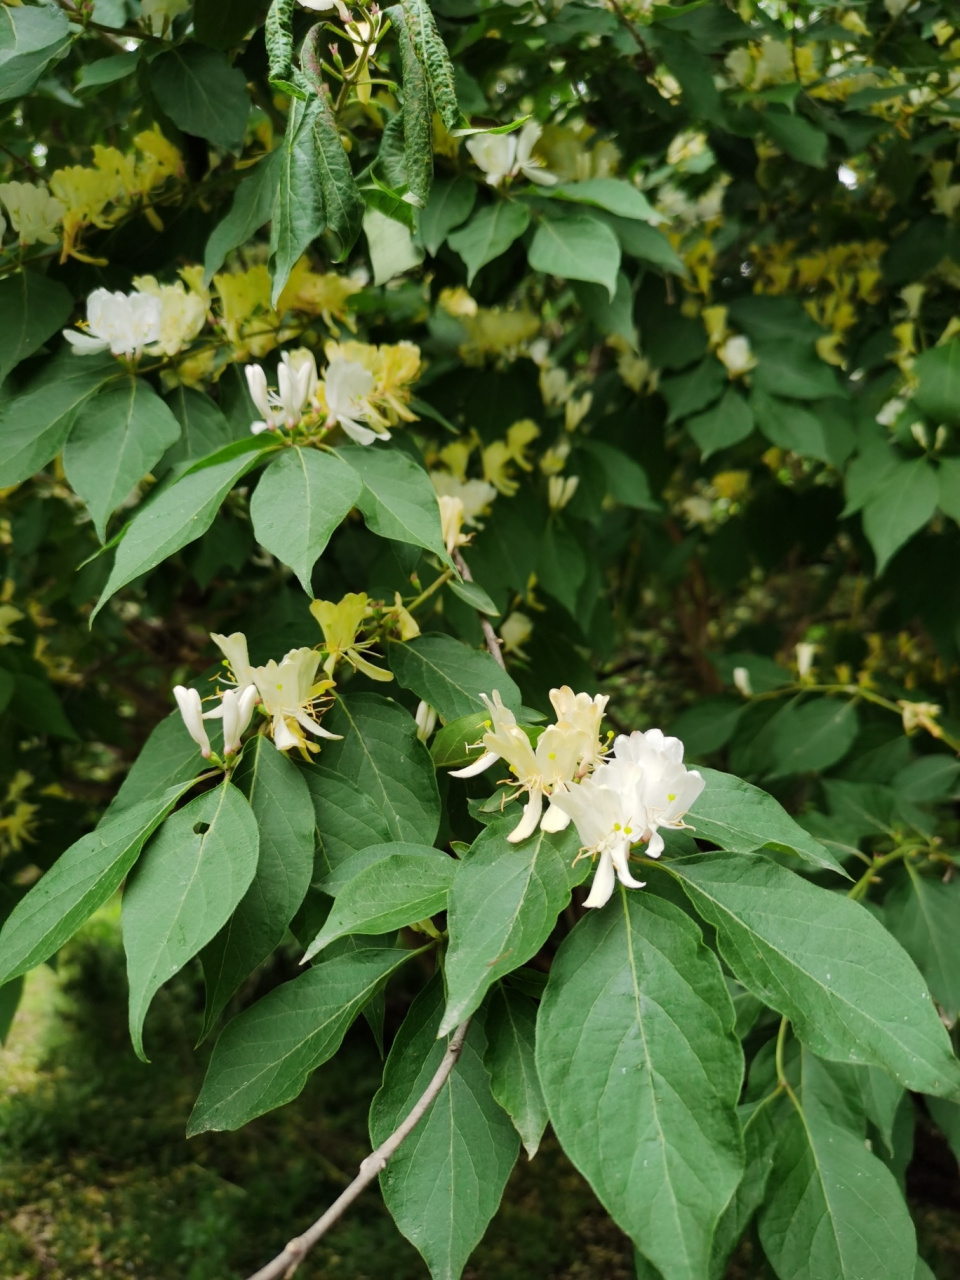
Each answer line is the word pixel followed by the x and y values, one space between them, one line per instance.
pixel 350 354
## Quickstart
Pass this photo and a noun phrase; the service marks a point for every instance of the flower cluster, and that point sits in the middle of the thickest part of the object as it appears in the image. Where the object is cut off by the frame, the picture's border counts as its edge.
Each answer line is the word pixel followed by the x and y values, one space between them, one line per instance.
pixel 364 390
pixel 160 319
pixel 615 800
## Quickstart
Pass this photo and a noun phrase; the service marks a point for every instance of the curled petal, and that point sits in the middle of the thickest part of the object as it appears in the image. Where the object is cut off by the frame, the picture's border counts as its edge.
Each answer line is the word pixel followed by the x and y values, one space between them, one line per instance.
pixel 603 883
pixel 191 709
pixel 618 856
pixel 312 725
pixel 531 816
pixel 484 762
pixel 554 819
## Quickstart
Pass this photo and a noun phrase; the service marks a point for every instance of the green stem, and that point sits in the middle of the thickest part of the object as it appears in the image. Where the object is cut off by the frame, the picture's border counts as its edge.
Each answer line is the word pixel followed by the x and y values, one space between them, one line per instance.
pixel 781 1044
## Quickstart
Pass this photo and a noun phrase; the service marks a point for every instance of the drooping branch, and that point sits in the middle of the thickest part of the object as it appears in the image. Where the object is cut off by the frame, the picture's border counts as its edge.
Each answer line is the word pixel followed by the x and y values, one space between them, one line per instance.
pixel 285 1264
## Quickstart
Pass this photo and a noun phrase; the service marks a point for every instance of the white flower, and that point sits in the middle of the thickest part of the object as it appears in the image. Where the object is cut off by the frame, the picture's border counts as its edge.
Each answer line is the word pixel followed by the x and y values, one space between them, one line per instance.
pixel 158 14
pixel 806 653
pixel 543 771
pixel 586 715
pixel 624 802
pixel 504 155
pixel 235 710
pixel 346 383
pixel 451 521
pixel 560 489
pixel 191 709
pixel 287 689
pixel 297 382
pixel 34 212
pixel 474 495
pixel 123 322
pixel 891 411
pixel 182 314
pixel 741 680
pixel 426 719
pixel 737 356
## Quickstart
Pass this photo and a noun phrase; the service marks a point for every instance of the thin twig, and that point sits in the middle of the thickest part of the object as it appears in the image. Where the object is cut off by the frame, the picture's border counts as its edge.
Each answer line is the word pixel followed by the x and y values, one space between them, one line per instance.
pixel 285 1264
pixel 489 635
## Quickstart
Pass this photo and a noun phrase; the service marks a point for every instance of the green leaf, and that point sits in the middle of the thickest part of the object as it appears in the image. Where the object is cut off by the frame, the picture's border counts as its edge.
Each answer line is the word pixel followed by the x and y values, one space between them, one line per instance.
pixel 562 565
pixel 33 309
pixel 433 56
pixel 759 1142
pixel 641 1071
pixel 381 753
pixel 397 500
pixel 489 233
pixel 347 818
pixel 450 748
pixel 449 675
pixel 503 906
pixel 741 818
pixel 185 888
pixel 613 194
pixel 283 810
pixel 351 866
pixel 627 481
pixel 900 506
pixel 392 248
pixel 823 961
pixel 510 1026
pixel 79 882
pixel 726 424
pixel 789 426
pixel 252 206
pixel 35 704
pixel 96 75
pixel 687 393
pixel 791 369
pixel 298 215
pixel 202 94
pixel 610 315
pixel 445 1183
pixel 167 758
pixel 417 130
pixel 812 735
pixel 179 515
pixel 204 429
pixel 278 36
pixel 117 438
pixel 10 994
pixel 922 915
pixel 475 596
pixel 31 37
pixel 835 1209
pixel 394 891
pixel 577 248
pixel 342 202
pixel 263 1058
pixel 796 136
pixel 646 243
pixel 223 26
pixel 35 425
pixel 938 395
pixel 451 203
pixel 301 499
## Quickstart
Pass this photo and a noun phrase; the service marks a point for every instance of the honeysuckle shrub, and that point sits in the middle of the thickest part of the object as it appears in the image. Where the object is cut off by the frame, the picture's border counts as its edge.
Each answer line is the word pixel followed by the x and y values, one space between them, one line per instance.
pixel 480 488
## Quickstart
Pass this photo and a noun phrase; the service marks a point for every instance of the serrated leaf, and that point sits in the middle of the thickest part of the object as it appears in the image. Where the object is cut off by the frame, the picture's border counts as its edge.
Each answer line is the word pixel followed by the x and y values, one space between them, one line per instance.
pixel 33 309
pixel 397 501
pixel 503 906
pixel 179 515
pixel 449 675
pixel 301 498
pixel 117 438
pixel 849 989
pixel 389 893
pixel 577 248
pixel 202 94
pixel 510 1025
pixel 741 818
pixel 278 36
pixel 342 201
pixel 264 1057
pixel 445 1183
pixel 641 1071
pixel 79 882
pixel 283 810
pixel 417 131
pixel 381 753
pixel 489 233
pixel 192 875
pixel 835 1209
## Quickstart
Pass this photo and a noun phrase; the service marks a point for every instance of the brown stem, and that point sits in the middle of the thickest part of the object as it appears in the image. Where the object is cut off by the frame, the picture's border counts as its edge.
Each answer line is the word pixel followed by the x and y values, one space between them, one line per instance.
pixel 489 635
pixel 286 1263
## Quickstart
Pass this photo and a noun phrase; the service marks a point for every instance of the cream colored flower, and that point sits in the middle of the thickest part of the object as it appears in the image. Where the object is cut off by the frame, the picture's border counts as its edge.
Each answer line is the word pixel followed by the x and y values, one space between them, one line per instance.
pixel 35 214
